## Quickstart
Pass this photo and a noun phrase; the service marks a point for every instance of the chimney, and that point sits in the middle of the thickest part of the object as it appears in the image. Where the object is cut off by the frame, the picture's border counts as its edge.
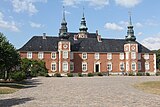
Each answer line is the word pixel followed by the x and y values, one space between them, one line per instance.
pixel 75 37
pixel 44 36
pixel 98 36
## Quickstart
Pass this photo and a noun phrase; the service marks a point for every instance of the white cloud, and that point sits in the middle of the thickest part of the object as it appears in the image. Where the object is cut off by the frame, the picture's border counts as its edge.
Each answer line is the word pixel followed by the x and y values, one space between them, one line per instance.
pixel 95 3
pixel 25 5
pixel 113 26
pixel 8 25
pixel 36 25
pixel 139 33
pixel 98 3
pixel 128 3
pixel 153 42
pixel 138 24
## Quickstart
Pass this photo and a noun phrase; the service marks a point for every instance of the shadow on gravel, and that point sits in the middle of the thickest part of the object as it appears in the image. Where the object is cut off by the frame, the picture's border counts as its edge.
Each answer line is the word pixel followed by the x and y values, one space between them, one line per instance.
pixel 14 101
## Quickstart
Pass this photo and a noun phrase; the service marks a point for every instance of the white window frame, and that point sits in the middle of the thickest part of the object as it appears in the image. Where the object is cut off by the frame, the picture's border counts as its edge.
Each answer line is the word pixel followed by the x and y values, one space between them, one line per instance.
pixel 65 66
pixel 139 66
pixel 71 66
pixel 147 66
pixel 29 55
pixel 40 55
pixel 84 55
pixel 65 54
pixel 139 56
pixel 71 55
pixel 127 55
pixel 53 55
pixel 121 56
pixel 133 67
pixel 96 55
pixel 133 55
pixel 146 56
pixel 84 66
pixel 55 66
pixel 109 56
pixel 109 66
pixel 120 67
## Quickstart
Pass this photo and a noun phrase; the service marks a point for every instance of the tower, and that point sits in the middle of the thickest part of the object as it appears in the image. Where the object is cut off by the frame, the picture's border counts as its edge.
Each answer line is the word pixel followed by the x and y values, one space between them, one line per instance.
pixel 131 49
pixel 83 28
pixel 63 30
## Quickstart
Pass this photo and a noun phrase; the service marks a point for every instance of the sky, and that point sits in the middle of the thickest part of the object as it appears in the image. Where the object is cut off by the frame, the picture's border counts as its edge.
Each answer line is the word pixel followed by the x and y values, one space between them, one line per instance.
pixel 20 20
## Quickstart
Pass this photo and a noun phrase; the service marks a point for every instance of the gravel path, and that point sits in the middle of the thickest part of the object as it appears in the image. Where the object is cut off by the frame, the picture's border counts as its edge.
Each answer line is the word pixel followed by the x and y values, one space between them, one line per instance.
pixel 82 92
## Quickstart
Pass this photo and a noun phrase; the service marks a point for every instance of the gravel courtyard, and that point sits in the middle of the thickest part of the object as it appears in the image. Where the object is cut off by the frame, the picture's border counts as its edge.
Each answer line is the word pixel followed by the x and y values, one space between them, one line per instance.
pixel 82 92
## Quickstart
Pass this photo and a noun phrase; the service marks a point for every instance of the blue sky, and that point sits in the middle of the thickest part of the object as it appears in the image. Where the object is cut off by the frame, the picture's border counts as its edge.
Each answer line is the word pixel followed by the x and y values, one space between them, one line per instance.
pixel 22 19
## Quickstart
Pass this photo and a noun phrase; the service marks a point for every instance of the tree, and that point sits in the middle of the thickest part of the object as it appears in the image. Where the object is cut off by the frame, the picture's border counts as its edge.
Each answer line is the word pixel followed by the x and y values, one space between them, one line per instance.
pixel 158 58
pixel 9 57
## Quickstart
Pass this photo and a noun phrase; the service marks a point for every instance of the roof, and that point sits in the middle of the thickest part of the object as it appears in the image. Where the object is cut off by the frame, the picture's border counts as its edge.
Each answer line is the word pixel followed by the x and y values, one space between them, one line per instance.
pixel 90 44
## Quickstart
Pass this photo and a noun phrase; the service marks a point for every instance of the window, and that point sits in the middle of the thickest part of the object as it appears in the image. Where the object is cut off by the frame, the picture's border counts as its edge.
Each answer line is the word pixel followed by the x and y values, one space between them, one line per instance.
pixel 71 66
pixel 53 55
pixel 71 55
pixel 65 66
pixel 127 66
pixel 29 55
pixel 109 66
pixel 84 55
pixel 127 55
pixel 40 55
pixel 122 66
pixel 146 56
pixel 133 55
pixel 84 66
pixel 121 56
pixel 146 65
pixel 139 65
pixel 109 56
pixel 53 66
pixel 139 56
pixel 65 54
pixel 96 55
pixel 133 66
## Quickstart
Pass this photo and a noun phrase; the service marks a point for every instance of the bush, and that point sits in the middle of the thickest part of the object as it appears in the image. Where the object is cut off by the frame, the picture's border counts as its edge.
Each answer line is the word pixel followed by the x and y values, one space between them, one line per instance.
pixel 131 74
pixel 69 74
pixel 157 73
pixel 139 74
pixel 80 75
pixel 2 75
pixel 99 74
pixel 147 74
pixel 57 75
pixel 90 75
pixel 18 76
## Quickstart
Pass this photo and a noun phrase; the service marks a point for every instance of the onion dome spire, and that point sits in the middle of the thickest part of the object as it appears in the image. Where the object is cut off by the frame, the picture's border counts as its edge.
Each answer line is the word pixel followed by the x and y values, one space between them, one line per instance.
pixel 130 32
pixel 63 30
pixel 83 27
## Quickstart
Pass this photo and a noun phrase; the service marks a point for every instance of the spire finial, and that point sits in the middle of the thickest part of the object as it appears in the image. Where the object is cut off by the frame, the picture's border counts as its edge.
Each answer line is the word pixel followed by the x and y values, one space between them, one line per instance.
pixel 83 11
pixel 130 19
pixel 64 14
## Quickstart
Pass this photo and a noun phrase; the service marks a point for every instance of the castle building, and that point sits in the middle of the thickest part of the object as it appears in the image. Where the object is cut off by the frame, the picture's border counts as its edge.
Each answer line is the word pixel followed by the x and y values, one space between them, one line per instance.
pixel 85 52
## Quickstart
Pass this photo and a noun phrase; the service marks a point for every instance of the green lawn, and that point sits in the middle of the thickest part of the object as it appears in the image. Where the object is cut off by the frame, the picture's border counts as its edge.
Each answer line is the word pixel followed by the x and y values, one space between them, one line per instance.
pixel 149 87
pixel 8 88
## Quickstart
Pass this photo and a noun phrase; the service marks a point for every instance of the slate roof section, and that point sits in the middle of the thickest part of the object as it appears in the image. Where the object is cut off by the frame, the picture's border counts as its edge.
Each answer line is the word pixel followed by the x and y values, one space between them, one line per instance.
pixel 90 44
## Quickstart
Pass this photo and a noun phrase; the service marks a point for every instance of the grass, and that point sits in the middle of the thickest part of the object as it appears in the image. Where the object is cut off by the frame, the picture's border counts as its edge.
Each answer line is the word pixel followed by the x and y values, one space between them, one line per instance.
pixel 149 87
pixel 8 88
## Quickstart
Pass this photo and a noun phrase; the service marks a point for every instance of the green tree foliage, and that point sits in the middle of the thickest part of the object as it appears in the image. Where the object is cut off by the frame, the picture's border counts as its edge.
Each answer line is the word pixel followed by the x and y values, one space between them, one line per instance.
pixel 34 67
pixel 158 58
pixel 9 57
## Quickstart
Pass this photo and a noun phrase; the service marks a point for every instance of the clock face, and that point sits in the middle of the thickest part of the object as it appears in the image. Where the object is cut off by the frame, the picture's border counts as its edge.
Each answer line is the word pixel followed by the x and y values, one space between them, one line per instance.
pixel 133 48
pixel 65 46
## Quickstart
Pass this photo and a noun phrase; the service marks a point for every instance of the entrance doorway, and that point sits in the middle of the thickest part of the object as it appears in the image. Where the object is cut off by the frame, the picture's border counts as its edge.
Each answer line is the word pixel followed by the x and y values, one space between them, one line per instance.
pixel 97 67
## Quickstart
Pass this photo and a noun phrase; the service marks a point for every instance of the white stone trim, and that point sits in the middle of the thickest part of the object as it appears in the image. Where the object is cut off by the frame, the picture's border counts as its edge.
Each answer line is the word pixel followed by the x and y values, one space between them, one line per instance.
pixel 155 66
